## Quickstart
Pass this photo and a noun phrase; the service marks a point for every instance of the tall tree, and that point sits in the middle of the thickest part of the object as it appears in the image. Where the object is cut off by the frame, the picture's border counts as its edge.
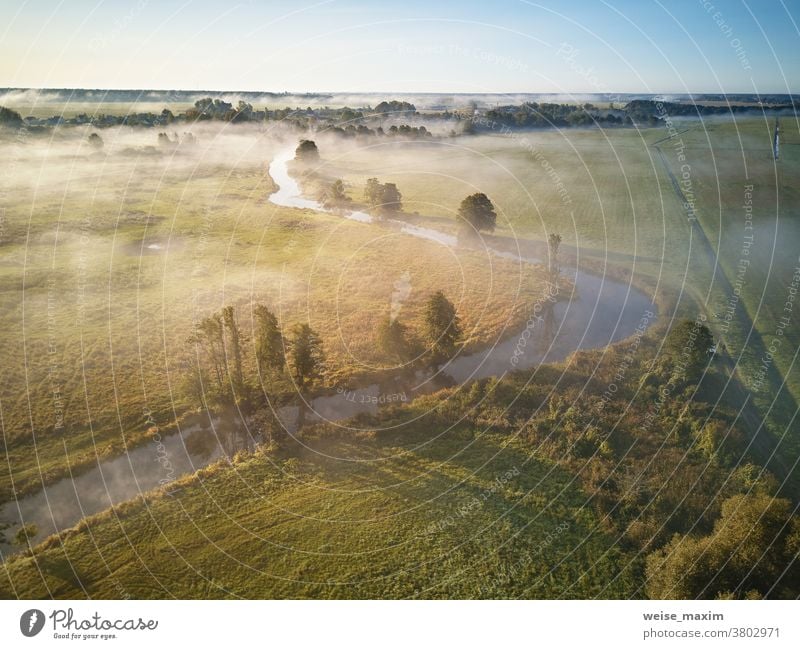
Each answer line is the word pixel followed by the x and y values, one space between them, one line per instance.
pixel 690 346
pixel 553 245
pixel 391 198
pixel 270 352
pixel 334 196
pixel 306 358
pixel 373 192
pixel 478 211
pixel 211 337
pixel 233 350
pixel 443 327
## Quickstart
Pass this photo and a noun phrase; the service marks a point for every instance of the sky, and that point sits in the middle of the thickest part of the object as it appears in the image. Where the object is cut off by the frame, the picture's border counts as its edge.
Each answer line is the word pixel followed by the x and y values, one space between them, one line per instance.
pixel 506 46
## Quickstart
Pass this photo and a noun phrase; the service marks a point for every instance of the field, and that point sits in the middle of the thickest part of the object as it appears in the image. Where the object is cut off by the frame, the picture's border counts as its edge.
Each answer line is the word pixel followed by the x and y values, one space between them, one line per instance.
pixel 530 487
pixel 527 487
pixel 109 259
pixel 610 196
pixel 367 517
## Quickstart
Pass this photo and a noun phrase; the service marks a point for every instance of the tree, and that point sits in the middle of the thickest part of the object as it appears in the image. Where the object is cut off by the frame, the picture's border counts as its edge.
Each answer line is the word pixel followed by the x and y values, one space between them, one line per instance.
pixel 307 151
pixel 690 346
pixel 335 195
pixel 306 358
pixel 266 426
pixel 373 192
pixel 392 337
pixel 391 199
pixel 478 211
pixel 720 442
pixel 752 551
pixel 269 341
pixel 95 141
pixel 385 197
pixel 233 350
pixel 443 327
pixel 210 336
pixel 395 107
pixel 10 118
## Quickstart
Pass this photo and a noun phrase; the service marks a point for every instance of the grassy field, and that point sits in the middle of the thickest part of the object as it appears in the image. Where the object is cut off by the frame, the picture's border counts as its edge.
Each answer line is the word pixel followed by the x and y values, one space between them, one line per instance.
pixel 610 195
pixel 732 169
pixel 528 487
pixel 108 259
pixel 467 515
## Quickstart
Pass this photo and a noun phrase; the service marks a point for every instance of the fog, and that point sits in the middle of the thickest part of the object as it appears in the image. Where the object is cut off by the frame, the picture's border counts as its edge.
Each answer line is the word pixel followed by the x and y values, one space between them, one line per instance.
pixel 72 101
pixel 602 311
pixel 45 162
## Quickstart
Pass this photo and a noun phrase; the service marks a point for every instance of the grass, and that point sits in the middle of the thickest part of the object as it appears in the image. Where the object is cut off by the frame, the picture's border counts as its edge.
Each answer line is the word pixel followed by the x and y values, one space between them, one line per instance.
pixel 462 516
pixel 96 322
pixel 725 159
pixel 610 196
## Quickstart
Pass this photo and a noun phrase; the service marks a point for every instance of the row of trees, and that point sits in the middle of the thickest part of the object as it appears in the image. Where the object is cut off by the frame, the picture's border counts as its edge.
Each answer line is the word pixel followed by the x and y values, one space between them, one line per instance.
pixel 476 211
pixel 401 131
pixel 208 108
pixel 188 139
pixel 220 374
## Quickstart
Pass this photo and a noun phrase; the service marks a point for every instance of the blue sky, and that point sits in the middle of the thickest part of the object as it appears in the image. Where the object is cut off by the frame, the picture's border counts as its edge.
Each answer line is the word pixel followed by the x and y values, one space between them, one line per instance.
pixel 404 46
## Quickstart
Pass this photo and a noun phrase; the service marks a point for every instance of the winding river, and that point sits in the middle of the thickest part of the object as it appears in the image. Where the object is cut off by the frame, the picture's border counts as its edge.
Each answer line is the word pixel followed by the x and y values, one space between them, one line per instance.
pixel 602 311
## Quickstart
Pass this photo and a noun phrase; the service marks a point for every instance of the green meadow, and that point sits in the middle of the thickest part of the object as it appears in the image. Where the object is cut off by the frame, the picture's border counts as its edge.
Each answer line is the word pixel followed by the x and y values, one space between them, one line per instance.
pixel 394 518
pixel 610 196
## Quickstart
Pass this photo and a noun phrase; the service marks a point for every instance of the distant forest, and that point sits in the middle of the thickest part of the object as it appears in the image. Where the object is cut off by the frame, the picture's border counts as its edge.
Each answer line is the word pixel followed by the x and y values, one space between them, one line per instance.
pixel 398 118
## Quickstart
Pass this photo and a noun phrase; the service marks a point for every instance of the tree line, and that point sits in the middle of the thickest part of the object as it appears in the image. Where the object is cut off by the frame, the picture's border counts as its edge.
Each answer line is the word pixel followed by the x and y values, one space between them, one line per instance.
pixel 476 212
pixel 221 372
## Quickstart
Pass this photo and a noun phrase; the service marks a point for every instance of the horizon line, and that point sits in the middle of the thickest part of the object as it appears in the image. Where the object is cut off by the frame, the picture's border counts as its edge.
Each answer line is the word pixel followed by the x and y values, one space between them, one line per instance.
pixel 404 92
